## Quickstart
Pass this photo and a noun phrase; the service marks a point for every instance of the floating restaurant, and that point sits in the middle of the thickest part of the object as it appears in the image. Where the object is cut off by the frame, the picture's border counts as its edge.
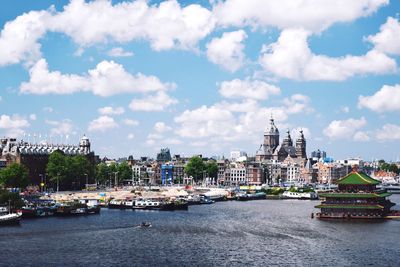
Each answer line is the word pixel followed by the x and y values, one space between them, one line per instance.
pixel 356 198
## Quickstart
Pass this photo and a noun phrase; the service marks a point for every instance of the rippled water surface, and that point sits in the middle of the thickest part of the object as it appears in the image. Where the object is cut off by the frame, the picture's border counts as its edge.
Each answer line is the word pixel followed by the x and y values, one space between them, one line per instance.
pixel 256 233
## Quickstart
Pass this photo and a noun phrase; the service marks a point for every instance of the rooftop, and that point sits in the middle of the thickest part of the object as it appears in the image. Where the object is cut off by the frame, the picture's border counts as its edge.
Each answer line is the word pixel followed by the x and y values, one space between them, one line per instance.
pixel 357 178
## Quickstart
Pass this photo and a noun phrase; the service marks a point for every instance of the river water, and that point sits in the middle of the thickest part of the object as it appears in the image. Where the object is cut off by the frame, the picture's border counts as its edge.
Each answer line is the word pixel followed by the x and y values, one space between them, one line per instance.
pixel 254 233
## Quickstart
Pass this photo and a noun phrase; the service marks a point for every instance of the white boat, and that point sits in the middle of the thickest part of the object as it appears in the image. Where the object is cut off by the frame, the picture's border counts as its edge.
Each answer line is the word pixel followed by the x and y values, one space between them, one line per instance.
pixel 8 218
pixel 300 195
pixel 147 203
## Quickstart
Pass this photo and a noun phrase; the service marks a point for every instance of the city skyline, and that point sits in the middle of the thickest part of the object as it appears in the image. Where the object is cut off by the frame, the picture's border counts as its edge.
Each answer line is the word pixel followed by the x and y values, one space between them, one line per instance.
pixel 200 77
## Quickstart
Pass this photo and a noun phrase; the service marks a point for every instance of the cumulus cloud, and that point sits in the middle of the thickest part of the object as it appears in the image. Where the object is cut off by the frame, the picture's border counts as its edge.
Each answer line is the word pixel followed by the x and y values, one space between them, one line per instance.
pixel 290 57
pixel 312 15
pixel 361 136
pixel 61 127
pixel 227 51
pixel 249 89
pixel 13 125
pixel 19 38
pixel 384 100
pixel 111 111
pixel 389 132
pixel 131 136
pixel 107 79
pixel 32 117
pixel 297 103
pixel 345 129
pixel 102 123
pixel 205 122
pixel 161 127
pixel 388 39
pixel 130 122
pixel 166 25
pixel 157 102
pixel 119 52
pixel 219 124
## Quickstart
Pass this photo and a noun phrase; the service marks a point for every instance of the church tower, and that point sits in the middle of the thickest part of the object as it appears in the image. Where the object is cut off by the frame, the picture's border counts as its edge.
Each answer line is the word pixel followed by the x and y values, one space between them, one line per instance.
pixel 301 146
pixel 287 142
pixel 271 136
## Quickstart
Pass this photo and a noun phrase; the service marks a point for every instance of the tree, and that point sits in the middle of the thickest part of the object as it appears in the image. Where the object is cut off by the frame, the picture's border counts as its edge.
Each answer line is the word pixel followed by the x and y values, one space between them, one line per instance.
pixel 102 173
pixel 15 176
pixel 57 167
pixel 14 198
pixel 79 169
pixel 195 168
pixel 124 171
pixel 212 169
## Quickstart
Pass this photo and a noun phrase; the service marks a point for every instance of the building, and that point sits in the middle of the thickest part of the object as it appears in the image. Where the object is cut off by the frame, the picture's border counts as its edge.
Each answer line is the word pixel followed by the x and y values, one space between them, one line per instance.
pixel 270 143
pixel 272 149
pixel 357 198
pixel 255 173
pixel 36 155
pixel 164 155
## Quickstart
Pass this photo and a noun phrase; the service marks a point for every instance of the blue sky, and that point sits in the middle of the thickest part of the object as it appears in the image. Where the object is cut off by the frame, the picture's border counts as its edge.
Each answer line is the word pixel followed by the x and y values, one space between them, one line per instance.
pixel 202 77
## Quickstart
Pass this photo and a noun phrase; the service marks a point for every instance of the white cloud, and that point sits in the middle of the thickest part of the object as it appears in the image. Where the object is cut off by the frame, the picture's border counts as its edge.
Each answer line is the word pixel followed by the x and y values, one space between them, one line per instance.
pixel 256 89
pixel 227 51
pixel 111 111
pixel 161 127
pixel 7 122
pixel 243 106
pixel 361 136
pixel 19 38
pixel 108 78
pixel 131 136
pixel 309 14
pixel 345 109
pixel 119 52
pixel 130 122
pixel 102 123
pixel 386 99
pixel 290 57
pixel 388 132
pixel 388 39
pixel 218 123
pixel 13 125
pixel 32 117
pixel 205 122
pixel 157 102
pixel 344 129
pixel 165 26
pixel 63 127
pixel 297 103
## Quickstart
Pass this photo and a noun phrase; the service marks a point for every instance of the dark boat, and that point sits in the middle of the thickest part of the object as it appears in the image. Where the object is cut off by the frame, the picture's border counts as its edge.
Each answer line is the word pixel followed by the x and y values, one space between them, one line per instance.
pixel 251 196
pixel 175 205
pixel 206 200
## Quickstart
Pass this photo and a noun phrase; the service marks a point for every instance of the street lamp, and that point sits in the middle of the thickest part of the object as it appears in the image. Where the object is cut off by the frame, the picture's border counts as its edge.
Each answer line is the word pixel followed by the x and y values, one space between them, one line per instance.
pixel 87 178
pixel 115 173
pixel 41 182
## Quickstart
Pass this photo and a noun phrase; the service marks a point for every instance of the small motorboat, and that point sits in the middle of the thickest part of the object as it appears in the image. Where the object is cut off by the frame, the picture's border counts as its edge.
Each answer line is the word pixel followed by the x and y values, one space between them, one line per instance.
pixel 145 224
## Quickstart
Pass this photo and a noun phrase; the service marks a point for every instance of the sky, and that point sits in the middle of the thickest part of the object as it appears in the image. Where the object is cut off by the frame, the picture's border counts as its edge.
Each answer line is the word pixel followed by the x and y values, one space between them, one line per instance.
pixel 202 77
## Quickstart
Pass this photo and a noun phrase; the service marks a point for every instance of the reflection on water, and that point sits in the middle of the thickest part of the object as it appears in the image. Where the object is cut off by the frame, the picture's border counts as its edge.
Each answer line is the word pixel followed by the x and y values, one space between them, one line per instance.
pixel 257 233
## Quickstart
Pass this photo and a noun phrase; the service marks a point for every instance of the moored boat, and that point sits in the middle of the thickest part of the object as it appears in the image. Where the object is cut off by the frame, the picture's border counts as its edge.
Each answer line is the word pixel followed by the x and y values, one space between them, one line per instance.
pixel 9 218
pixel 299 195
pixel 251 196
